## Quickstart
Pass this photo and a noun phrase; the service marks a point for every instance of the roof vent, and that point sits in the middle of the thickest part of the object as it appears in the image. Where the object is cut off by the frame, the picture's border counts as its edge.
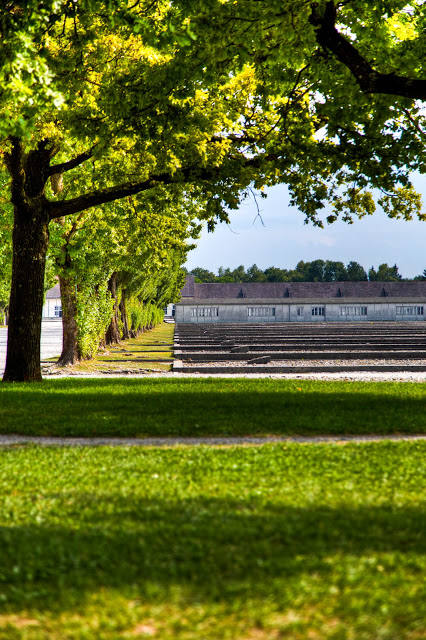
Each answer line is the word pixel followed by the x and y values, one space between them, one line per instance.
pixel 339 293
pixel 287 293
pixel 384 293
pixel 241 294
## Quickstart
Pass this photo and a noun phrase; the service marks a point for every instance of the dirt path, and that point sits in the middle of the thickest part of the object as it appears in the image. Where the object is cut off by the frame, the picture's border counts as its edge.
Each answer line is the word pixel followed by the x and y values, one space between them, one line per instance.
pixel 12 440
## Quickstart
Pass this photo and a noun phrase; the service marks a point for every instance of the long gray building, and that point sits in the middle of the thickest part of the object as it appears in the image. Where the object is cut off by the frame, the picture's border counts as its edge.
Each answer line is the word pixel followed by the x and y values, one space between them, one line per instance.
pixel 301 301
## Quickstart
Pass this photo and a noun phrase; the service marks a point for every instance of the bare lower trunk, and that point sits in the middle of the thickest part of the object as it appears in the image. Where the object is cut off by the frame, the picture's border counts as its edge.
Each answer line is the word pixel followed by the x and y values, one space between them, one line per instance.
pixel 123 312
pixel 112 335
pixel 30 242
pixel 29 172
pixel 70 349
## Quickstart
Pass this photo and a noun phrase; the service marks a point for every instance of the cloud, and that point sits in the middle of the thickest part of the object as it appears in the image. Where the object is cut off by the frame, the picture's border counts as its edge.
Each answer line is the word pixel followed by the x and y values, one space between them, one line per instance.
pixel 317 239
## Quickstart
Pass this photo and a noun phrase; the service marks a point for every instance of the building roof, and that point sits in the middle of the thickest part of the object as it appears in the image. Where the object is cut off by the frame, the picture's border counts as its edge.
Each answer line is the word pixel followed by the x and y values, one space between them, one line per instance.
pixel 55 292
pixel 231 291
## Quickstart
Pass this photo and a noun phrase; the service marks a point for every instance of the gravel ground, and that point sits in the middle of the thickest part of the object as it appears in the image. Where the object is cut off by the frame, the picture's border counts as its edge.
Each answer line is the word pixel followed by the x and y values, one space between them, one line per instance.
pixel 306 363
pixel 14 440
pixel 394 376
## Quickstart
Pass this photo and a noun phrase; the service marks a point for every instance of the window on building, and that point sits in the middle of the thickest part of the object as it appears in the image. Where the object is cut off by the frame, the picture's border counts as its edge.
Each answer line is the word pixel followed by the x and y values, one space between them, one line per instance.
pixel 260 312
pixel 58 311
pixel 353 311
pixel 318 311
pixel 409 310
pixel 205 312
pixel 299 311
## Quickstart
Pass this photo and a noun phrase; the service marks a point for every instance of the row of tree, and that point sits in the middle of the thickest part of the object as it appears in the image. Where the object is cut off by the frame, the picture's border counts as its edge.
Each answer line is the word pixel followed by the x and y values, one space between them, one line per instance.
pixel 117 118
pixel 113 285
pixel 315 271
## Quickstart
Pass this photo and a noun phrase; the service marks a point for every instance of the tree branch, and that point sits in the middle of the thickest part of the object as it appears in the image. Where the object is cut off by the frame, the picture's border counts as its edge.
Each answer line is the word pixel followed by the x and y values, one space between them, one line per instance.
pixel 103 196
pixel 71 164
pixel 369 80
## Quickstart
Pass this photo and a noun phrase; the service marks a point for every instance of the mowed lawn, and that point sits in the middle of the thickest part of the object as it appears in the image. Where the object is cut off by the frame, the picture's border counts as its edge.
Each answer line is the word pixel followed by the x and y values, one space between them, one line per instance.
pixel 300 542
pixel 191 406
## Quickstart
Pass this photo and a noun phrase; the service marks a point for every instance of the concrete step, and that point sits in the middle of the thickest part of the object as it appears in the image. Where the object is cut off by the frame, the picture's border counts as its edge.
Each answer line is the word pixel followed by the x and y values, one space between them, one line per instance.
pixel 300 355
pixel 199 348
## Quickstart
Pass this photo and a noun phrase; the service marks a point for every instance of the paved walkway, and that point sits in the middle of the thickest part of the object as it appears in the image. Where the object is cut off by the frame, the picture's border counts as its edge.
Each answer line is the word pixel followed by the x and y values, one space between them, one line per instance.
pixel 10 440
pixel 51 341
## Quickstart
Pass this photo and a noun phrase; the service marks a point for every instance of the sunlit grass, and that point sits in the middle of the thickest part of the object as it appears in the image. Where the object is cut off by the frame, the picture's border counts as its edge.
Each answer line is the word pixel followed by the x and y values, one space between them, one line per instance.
pixel 257 543
pixel 151 351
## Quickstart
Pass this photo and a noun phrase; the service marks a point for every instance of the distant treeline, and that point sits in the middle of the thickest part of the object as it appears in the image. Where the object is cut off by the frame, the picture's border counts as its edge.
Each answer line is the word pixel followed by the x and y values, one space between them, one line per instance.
pixel 315 271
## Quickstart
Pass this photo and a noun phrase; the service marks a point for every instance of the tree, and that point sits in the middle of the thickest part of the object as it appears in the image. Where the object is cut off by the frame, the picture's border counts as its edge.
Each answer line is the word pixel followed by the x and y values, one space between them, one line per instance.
pixel 358 140
pixel 295 275
pixel 273 274
pixel 384 273
pixel 335 271
pixel 254 274
pixel 100 271
pixel 135 111
pixel 316 271
pixel 239 274
pixel 224 275
pixel 6 225
pixel 371 25
pixel 356 272
pixel 422 276
pixel 217 95
pixel 203 275
pixel 301 272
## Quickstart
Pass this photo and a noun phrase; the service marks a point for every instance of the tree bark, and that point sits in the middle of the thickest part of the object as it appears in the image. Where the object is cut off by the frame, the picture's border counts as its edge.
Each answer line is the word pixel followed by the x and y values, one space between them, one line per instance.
pixel 112 335
pixel 123 312
pixel 70 349
pixel 30 243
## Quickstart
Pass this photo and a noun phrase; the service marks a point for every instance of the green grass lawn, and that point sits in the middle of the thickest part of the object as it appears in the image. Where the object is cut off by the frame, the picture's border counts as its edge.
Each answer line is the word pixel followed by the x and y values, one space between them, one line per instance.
pixel 246 543
pixel 194 406
pixel 151 351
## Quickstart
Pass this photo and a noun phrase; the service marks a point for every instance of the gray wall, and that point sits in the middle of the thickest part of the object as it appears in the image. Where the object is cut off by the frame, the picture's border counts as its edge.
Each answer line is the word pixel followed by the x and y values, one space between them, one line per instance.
pixel 285 312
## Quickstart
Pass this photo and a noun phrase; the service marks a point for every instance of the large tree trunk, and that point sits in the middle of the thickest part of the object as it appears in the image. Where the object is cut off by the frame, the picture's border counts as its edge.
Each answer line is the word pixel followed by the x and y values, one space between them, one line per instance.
pixel 30 242
pixel 70 349
pixel 29 173
pixel 112 335
pixel 123 312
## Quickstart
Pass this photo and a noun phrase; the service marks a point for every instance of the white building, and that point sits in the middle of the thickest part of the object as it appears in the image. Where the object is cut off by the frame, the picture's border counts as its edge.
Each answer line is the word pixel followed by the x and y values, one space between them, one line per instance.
pixel 52 308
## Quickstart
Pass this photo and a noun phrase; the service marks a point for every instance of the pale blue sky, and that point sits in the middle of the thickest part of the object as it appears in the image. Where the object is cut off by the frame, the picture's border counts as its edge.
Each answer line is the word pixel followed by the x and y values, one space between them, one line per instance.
pixel 285 239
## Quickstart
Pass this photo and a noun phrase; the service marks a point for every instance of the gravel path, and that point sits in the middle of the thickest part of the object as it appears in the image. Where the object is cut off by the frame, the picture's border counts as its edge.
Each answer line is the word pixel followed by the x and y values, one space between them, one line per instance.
pixel 367 376
pixel 13 440
pixel 310 363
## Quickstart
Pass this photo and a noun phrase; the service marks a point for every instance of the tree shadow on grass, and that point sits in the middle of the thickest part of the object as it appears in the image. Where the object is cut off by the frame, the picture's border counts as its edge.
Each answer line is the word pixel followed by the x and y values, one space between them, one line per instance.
pixel 134 407
pixel 214 550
